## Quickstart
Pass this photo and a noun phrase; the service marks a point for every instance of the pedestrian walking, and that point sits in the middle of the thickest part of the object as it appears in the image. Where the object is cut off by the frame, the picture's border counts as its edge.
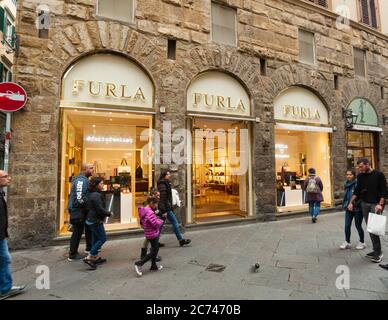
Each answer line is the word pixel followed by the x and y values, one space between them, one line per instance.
pixel 313 186
pixel 6 284
pixel 153 193
pixel 371 189
pixel 96 215
pixel 166 205
pixel 77 210
pixel 151 225
pixel 356 214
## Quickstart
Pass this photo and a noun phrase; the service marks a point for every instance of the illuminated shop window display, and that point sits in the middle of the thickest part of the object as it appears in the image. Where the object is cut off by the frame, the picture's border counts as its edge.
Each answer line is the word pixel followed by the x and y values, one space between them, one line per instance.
pixel 114 143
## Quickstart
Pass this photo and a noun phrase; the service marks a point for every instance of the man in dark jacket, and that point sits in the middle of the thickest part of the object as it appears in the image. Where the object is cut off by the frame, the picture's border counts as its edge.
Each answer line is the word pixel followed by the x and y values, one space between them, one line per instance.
pixel 165 205
pixel 371 189
pixel 6 288
pixel 77 210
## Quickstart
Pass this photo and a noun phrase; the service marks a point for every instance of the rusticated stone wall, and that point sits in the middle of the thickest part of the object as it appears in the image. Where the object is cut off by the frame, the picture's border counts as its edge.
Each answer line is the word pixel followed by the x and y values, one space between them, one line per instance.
pixel 267 29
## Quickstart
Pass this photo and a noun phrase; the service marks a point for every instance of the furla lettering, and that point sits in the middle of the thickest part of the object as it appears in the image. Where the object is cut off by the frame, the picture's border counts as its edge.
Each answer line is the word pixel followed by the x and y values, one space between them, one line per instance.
pixel 108 90
pixel 210 101
pixel 301 113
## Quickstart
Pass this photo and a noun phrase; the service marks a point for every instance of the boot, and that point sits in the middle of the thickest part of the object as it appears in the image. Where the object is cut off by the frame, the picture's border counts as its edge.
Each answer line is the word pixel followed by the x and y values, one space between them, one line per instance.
pixel 184 242
pixel 143 253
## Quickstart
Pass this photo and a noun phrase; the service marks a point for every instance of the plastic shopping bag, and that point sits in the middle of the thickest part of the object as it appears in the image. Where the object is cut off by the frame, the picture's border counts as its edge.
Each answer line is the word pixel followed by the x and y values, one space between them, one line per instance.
pixel 376 224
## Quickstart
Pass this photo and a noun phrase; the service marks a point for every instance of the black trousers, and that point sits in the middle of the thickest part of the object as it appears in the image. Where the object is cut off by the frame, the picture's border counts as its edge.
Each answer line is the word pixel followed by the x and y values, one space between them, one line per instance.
pixel 79 227
pixel 153 253
pixel 366 208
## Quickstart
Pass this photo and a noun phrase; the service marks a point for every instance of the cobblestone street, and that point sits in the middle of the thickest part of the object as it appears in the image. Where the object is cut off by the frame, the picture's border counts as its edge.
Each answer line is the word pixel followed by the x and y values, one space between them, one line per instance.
pixel 298 261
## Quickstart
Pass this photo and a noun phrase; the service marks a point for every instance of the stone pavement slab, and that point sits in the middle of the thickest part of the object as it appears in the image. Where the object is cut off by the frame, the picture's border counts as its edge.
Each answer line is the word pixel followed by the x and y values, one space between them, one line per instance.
pixel 298 260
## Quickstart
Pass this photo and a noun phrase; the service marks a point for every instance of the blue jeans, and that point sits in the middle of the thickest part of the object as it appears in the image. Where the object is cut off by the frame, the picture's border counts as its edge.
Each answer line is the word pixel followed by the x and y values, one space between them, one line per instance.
pixel 314 209
pixel 5 270
pixel 175 225
pixel 99 237
pixel 357 215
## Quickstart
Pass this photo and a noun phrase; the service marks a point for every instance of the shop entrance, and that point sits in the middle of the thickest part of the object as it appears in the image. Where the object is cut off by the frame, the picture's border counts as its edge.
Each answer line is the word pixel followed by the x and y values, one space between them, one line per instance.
pixel 361 145
pixel 295 153
pixel 220 184
pixel 112 143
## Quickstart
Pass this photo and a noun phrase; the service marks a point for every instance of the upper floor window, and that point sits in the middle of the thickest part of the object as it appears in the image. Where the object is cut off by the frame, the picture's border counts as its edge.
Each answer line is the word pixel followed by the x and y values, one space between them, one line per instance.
pixel 122 10
pixel 322 3
pixel 5 73
pixel 359 62
pixel 306 47
pixel 223 24
pixel 368 12
pixel 7 26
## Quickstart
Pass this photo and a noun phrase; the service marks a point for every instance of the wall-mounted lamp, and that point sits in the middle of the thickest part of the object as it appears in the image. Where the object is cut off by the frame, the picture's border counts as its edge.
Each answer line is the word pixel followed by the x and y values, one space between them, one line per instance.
pixel 349 117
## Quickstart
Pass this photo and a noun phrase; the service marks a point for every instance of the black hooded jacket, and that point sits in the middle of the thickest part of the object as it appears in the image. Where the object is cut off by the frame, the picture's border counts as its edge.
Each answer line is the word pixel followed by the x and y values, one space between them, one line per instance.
pixel 165 202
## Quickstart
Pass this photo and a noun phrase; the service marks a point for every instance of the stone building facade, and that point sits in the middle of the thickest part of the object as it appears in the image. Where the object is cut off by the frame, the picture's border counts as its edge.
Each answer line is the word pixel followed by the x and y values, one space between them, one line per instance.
pixel 265 61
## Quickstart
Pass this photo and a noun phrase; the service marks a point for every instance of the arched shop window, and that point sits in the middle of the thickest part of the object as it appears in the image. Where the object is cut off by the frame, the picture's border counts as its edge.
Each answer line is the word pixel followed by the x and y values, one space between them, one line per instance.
pixel 107 103
pixel 302 141
pixel 362 139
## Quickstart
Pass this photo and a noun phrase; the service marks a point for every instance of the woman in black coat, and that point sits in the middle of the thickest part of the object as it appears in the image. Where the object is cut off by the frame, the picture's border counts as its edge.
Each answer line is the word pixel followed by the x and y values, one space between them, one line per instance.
pixel 165 205
pixel 96 214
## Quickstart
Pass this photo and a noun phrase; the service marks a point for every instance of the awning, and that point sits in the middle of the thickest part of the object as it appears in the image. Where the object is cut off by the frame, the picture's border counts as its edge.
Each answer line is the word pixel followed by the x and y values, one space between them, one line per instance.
pixel 298 127
pixel 366 128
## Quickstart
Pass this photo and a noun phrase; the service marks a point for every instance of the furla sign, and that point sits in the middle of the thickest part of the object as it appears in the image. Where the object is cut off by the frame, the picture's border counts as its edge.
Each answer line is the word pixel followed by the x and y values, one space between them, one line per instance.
pixel 109 80
pixel 218 93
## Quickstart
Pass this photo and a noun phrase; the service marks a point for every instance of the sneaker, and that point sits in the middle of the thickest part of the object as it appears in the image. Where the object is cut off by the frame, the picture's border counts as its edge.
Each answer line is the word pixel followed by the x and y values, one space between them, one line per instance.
pixel 370 254
pixel 345 245
pixel 100 260
pixel 76 257
pixel 314 220
pixel 384 266
pixel 377 258
pixel 157 268
pixel 138 270
pixel 361 246
pixel 184 242
pixel 91 263
pixel 14 291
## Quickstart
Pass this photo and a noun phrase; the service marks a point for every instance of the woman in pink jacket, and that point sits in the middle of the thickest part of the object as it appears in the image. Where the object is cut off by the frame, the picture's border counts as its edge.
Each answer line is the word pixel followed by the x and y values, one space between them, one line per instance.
pixel 151 225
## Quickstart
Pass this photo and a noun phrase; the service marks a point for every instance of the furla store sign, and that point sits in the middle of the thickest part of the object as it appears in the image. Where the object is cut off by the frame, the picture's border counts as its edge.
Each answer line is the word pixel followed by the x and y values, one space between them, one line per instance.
pixel 218 93
pixel 298 104
pixel 109 80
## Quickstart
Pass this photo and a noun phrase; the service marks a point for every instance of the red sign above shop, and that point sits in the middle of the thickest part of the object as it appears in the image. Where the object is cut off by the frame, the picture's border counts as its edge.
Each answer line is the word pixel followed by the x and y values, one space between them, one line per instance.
pixel 12 97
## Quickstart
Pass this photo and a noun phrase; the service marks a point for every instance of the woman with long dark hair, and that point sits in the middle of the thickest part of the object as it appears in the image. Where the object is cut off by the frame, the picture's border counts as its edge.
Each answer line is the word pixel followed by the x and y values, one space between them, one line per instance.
pixel 96 214
pixel 356 214
pixel 165 205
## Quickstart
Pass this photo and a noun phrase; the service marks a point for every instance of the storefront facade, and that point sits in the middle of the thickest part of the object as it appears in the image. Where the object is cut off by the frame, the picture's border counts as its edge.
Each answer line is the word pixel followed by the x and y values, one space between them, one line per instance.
pixel 104 92
pixel 302 141
pixel 220 175
pixel 106 121
pixel 362 139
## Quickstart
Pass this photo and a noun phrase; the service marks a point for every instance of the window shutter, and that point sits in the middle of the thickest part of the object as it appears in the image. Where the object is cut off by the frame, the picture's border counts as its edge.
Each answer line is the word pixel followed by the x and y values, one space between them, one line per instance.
pixel 12 40
pixel 2 19
pixel 322 3
pixel 1 72
pixel 365 11
pixel 373 13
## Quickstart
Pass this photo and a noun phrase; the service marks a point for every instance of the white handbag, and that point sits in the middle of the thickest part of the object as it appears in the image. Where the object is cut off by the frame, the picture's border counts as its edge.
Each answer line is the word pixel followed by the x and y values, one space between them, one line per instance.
pixel 376 224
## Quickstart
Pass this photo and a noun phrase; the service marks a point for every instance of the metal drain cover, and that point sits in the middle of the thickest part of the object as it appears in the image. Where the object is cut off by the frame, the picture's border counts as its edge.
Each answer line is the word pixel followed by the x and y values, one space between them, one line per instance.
pixel 215 267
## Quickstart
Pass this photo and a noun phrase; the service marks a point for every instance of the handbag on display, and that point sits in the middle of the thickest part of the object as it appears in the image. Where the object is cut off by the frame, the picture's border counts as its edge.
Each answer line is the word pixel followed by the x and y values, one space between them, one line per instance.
pixel 124 167
pixel 376 224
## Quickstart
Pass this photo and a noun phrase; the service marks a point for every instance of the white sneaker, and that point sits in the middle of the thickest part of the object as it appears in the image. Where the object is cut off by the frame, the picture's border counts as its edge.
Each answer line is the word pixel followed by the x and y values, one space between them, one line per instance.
pixel 138 270
pixel 361 246
pixel 345 245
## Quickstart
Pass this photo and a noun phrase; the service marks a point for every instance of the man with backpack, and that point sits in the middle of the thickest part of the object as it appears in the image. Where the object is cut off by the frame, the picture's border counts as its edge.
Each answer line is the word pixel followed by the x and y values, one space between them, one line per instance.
pixel 371 189
pixel 313 186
